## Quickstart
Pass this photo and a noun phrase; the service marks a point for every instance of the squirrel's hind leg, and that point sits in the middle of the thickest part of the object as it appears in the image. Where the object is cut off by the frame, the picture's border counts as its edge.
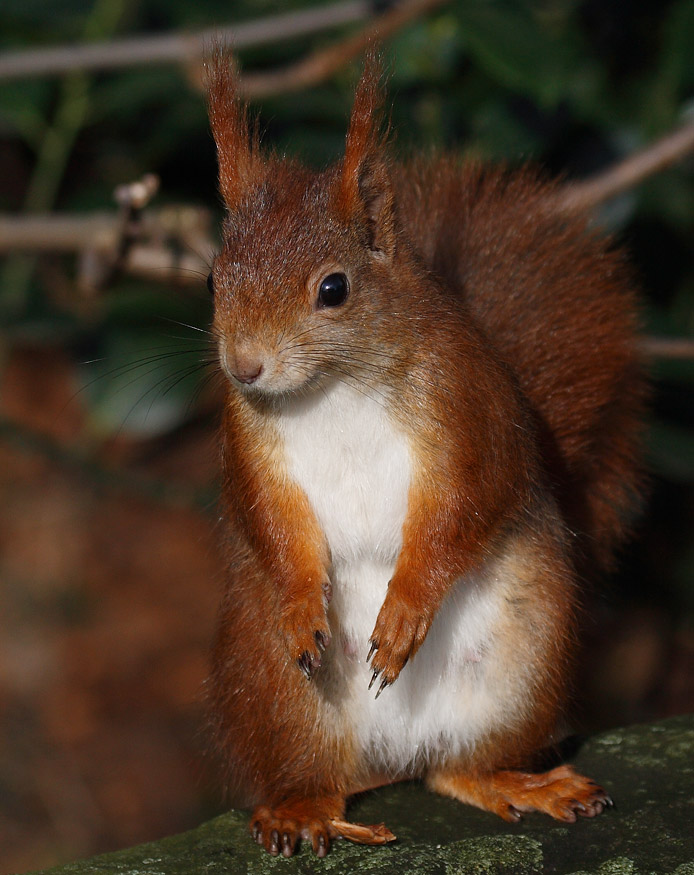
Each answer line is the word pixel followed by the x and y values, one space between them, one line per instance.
pixel 562 792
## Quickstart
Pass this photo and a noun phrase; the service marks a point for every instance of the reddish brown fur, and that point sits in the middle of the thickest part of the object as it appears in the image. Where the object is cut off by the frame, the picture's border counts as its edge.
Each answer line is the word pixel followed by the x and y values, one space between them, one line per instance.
pixel 560 792
pixel 497 243
pixel 240 164
pixel 507 336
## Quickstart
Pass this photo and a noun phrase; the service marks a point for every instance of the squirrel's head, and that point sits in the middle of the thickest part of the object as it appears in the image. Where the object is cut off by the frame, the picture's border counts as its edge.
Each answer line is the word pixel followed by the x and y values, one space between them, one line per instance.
pixel 304 253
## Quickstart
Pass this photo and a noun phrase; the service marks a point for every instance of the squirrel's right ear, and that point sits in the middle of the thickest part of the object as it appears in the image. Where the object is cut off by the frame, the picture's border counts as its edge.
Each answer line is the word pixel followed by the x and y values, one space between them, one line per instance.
pixel 365 188
pixel 238 154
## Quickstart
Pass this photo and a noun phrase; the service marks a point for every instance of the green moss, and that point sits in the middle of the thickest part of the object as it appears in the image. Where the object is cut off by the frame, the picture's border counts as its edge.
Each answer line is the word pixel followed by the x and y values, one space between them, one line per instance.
pixel 619 866
pixel 489 855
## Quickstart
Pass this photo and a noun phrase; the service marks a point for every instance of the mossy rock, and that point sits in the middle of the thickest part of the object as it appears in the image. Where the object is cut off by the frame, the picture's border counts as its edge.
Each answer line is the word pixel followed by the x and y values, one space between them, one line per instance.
pixel 649 771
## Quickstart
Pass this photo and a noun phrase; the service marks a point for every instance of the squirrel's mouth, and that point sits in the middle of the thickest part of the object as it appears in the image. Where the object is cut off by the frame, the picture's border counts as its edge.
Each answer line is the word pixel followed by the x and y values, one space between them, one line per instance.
pixel 255 371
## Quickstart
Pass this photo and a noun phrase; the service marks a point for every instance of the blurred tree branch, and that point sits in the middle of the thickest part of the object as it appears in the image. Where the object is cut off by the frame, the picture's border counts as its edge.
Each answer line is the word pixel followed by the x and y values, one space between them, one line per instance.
pixel 324 63
pixel 156 247
pixel 169 244
pixel 626 174
pixel 179 47
pixel 668 347
pixel 175 244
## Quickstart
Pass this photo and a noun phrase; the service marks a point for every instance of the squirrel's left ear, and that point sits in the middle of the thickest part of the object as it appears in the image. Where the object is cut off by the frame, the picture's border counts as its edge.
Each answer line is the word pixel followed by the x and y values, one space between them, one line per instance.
pixel 240 163
pixel 366 192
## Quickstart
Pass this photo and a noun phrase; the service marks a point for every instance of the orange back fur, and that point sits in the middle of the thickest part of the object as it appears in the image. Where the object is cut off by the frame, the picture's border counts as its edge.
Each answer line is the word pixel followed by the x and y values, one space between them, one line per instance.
pixel 556 300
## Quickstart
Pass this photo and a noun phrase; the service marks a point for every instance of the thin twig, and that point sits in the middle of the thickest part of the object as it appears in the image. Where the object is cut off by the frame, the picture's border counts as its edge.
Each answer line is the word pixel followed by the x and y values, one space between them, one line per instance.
pixel 325 62
pixel 59 232
pixel 162 264
pixel 132 198
pixel 100 230
pixel 171 244
pixel 626 174
pixel 179 47
pixel 680 348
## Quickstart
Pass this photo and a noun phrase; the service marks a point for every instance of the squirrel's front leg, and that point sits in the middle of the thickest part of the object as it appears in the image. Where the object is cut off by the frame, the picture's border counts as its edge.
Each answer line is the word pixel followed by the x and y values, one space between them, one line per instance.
pixel 303 621
pixel 299 569
pixel 400 630
pixel 442 540
pixel 285 536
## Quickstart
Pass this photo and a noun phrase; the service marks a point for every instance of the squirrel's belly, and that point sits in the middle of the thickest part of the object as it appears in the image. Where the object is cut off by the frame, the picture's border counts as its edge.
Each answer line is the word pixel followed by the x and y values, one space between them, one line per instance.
pixel 355 467
pixel 447 698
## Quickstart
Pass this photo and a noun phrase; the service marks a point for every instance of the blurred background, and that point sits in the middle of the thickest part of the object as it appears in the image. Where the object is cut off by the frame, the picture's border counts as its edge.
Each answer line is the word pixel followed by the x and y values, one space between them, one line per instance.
pixel 109 574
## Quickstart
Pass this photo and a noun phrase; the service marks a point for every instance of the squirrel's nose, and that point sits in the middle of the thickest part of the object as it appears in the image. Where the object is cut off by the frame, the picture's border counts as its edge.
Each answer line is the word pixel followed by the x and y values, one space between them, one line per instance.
pixel 248 375
pixel 245 366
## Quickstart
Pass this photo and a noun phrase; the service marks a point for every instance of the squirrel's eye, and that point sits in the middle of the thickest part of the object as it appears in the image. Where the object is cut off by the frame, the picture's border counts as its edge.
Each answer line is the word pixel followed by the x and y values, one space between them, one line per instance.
pixel 210 283
pixel 333 290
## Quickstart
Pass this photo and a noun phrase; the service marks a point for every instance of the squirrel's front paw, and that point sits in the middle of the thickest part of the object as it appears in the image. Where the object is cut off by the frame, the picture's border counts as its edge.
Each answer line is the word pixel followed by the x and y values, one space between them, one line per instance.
pixel 307 634
pixel 399 632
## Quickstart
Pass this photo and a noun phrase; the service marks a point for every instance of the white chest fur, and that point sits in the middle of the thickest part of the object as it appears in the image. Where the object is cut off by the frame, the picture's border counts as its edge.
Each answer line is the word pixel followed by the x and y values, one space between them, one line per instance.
pixel 355 467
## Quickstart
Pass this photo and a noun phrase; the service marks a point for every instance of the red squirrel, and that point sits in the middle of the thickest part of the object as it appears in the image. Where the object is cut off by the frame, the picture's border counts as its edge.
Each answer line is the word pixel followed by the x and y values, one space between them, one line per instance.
pixel 432 417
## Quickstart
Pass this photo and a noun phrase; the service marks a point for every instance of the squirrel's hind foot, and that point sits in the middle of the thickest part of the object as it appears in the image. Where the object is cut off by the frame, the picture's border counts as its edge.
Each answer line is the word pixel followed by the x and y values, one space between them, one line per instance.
pixel 562 792
pixel 279 830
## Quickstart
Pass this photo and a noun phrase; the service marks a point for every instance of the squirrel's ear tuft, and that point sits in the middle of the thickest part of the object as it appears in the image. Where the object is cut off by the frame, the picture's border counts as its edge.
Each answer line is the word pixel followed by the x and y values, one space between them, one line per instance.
pixel 365 188
pixel 240 164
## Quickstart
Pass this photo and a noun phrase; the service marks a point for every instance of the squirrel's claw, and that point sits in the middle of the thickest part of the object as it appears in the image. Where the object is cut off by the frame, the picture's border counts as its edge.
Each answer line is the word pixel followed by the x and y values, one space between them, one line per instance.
pixel 310 661
pixel 384 684
pixel 307 634
pixel 308 664
pixel 399 632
